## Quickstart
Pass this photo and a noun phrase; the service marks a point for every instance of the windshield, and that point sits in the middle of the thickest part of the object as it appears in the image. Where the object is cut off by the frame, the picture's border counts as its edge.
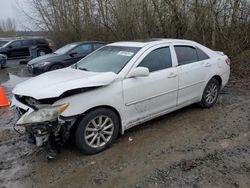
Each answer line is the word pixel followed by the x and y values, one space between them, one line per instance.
pixel 65 49
pixel 107 59
pixel 3 42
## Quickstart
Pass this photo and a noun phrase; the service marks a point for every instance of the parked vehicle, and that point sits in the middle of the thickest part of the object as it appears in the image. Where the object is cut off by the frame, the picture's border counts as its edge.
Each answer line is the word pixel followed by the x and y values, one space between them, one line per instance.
pixel 63 57
pixel 16 48
pixel 3 61
pixel 117 87
pixel 3 41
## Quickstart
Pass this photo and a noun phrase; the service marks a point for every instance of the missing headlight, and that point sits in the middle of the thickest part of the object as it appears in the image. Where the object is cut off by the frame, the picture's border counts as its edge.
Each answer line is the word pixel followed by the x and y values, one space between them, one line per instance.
pixel 31 101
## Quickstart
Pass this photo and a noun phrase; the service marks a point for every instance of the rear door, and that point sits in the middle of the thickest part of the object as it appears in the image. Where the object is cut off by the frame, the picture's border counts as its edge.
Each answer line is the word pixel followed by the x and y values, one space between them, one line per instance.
pixel 193 66
pixel 151 95
pixel 26 44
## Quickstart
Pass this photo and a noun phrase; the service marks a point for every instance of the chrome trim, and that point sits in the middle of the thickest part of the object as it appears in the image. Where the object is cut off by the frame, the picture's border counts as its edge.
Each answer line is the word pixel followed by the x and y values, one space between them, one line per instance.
pixel 191 85
pixel 138 101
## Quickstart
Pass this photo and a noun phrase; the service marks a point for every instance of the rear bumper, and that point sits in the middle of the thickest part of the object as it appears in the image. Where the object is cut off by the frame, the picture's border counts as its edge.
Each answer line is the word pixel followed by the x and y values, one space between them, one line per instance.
pixel 225 78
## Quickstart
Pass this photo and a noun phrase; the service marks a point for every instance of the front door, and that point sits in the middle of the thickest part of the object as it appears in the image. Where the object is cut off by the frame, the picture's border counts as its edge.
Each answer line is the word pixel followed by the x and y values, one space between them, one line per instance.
pixel 15 49
pixel 151 95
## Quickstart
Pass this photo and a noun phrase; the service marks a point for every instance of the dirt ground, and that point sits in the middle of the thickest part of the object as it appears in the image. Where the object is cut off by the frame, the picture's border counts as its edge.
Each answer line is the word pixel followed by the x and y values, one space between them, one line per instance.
pixel 192 147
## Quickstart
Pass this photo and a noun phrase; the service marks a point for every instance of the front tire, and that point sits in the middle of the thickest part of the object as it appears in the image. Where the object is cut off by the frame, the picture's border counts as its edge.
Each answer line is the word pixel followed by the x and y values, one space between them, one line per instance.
pixel 97 130
pixel 56 67
pixel 210 94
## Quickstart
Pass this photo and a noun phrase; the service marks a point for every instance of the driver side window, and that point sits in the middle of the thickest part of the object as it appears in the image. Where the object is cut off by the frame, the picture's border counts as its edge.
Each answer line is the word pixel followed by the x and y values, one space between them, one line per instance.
pixel 16 44
pixel 82 49
pixel 157 60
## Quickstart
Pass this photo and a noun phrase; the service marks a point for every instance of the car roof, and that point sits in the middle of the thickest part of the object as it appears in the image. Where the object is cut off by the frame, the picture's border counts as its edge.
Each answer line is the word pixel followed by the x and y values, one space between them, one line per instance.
pixel 86 42
pixel 152 41
pixel 21 38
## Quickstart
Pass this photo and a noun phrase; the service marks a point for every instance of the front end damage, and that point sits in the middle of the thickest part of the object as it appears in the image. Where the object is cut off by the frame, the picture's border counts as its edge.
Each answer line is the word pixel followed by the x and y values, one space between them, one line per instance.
pixel 43 123
pixel 35 101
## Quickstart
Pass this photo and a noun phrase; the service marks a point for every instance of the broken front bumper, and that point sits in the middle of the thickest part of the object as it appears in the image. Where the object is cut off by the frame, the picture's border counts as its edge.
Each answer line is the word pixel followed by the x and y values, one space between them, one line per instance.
pixel 43 122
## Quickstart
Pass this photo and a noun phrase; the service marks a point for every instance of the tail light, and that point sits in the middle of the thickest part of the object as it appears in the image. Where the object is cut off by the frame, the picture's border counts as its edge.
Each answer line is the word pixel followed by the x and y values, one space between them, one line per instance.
pixel 228 61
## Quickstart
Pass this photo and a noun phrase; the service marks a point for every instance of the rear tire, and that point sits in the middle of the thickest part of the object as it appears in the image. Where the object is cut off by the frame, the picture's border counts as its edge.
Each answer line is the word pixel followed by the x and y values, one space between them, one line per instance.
pixel 97 130
pixel 210 94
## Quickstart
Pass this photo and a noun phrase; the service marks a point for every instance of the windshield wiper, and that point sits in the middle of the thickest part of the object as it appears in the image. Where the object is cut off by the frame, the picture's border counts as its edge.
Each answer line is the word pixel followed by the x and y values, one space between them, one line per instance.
pixel 84 69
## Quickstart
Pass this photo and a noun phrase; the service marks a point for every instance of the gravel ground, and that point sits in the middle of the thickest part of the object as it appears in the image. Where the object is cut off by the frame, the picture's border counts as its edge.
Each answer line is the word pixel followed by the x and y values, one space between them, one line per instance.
pixel 191 147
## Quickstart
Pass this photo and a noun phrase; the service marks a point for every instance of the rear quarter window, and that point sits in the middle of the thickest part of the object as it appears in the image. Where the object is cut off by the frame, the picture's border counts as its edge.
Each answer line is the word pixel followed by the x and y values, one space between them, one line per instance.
pixel 201 54
pixel 27 42
pixel 186 54
pixel 41 41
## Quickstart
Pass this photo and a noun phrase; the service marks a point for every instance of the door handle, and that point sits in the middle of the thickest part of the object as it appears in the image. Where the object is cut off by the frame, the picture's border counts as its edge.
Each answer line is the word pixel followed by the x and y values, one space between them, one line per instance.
pixel 172 74
pixel 208 65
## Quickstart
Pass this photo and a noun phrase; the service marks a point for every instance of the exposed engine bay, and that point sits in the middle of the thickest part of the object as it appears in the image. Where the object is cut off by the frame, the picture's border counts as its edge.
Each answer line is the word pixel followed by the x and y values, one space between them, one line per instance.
pixel 42 107
pixel 43 124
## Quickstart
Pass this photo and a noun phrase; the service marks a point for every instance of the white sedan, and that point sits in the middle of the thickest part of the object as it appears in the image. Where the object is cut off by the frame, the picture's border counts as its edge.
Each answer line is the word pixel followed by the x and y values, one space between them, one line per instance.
pixel 117 87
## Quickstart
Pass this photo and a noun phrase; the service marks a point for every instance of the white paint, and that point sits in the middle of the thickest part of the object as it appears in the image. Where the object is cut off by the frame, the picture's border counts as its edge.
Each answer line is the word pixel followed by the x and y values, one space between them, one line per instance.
pixel 55 83
pixel 137 99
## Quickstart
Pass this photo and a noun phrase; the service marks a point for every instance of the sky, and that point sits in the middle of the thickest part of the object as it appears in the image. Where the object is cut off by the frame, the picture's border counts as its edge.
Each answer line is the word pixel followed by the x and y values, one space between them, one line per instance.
pixel 9 9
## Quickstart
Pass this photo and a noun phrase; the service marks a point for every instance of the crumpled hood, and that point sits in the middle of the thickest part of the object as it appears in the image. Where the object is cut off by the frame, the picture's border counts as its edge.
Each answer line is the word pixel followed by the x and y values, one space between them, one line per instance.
pixel 53 84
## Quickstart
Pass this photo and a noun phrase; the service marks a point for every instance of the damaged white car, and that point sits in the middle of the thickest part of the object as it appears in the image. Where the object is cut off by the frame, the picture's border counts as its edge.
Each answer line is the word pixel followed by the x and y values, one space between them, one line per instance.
pixel 115 88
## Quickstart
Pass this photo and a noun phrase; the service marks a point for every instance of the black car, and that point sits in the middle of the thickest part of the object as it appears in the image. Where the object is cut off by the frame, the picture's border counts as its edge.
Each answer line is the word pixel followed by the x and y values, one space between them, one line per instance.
pixel 15 48
pixel 63 57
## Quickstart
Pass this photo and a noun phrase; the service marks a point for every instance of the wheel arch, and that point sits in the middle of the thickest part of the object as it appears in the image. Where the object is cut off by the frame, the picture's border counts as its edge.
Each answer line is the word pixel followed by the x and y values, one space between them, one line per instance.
pixel 218 78
pixel 5 53
pixel 53 64
pixel 121 131
pixel 41 48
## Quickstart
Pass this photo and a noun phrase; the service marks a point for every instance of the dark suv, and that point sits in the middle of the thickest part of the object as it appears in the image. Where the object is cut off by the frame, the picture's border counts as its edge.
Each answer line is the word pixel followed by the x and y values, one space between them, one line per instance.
pixel 14 48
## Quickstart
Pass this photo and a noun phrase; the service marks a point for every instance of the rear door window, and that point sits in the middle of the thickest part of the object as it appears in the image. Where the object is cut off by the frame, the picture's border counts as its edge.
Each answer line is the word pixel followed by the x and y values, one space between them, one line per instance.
pixel 27 42
pixel 202 55
pixel 186 54
pixel 157 60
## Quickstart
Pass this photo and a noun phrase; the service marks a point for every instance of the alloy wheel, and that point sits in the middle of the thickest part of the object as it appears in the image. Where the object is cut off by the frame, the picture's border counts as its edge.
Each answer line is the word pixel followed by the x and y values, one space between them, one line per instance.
pixel 211 93
pixel 99 131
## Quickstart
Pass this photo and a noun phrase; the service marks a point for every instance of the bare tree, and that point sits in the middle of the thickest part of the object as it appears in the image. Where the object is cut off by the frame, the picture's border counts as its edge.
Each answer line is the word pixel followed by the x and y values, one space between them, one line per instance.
pixel 7 27
pixel 220 24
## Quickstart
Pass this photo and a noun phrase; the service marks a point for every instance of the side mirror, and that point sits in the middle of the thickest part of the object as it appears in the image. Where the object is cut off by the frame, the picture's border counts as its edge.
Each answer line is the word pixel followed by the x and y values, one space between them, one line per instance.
pixel 72 54
pixel 139 72
pixel 10 46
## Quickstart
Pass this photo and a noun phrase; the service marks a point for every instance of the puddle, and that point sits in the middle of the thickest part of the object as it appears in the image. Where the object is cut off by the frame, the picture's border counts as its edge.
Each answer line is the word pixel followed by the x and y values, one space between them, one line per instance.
pixel 13 75
pixel 14 80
